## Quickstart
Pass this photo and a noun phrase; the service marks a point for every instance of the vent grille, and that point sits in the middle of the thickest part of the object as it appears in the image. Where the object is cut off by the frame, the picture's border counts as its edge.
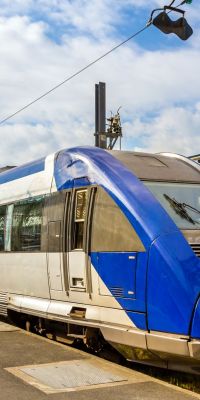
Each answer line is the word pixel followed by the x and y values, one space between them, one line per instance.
pixel 117 291
pixel 3 303
pixel 196 248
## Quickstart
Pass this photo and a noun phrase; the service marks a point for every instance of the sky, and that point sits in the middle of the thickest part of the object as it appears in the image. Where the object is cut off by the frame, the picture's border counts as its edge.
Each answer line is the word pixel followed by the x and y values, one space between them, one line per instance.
pixel 155 78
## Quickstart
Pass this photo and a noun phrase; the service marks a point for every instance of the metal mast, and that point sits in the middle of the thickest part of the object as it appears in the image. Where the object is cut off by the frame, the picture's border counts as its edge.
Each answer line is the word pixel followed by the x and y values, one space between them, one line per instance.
pixel 100 115
pixel 105 138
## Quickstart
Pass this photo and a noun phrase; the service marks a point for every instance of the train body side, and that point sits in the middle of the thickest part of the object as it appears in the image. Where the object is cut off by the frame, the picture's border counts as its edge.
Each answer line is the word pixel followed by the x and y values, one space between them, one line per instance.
pixel 130 295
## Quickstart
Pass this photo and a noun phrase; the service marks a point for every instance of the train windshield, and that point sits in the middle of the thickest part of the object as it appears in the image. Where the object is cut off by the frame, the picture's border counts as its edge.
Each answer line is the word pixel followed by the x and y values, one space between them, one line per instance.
pixel 180 200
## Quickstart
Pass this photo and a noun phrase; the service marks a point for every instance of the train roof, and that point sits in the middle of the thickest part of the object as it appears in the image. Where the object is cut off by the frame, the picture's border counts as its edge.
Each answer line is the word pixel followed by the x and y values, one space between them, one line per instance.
pixel 83 166
pixel 146 166
pixel 159 167
pixel 8 174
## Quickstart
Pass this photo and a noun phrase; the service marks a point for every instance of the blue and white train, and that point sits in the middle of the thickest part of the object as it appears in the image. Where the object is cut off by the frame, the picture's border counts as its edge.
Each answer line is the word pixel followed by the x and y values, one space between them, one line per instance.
pixel 97 244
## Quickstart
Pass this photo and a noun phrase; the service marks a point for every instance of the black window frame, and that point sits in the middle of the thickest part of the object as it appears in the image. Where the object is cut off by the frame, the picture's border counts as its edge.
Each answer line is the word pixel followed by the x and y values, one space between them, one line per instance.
pixel 77 223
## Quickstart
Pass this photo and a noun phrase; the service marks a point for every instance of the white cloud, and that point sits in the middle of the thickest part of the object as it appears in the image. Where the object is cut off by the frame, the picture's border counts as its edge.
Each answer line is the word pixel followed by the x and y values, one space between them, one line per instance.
pixel 175 130
pixel 97 17
pixel 94 17
pixel 143 82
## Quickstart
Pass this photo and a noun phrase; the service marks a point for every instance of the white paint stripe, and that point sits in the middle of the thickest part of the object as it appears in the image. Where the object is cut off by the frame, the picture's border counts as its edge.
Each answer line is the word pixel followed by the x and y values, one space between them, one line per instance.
pixel 30 185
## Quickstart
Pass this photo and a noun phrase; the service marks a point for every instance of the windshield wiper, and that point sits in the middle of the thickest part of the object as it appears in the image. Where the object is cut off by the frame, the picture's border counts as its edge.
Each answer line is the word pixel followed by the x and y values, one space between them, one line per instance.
pixel 192 208
pixel 180 209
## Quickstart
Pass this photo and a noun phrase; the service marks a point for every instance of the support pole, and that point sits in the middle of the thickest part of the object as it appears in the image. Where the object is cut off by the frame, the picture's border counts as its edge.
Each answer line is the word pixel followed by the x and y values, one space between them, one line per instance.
pixel 100 115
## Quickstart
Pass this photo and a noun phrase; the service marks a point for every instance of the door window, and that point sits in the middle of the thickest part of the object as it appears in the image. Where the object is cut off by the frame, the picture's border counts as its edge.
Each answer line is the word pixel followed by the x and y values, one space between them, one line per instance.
pixel 79 219
pixel 2 226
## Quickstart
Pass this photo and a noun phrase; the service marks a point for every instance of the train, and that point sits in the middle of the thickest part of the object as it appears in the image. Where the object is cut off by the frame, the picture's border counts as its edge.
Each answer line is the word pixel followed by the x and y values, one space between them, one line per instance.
pixel 104 246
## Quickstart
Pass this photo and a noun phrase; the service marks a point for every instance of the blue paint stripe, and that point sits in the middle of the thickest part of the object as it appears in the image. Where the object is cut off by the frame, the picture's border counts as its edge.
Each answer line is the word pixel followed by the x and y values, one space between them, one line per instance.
pixel 104 263
pixel 139 319
pixel 22 171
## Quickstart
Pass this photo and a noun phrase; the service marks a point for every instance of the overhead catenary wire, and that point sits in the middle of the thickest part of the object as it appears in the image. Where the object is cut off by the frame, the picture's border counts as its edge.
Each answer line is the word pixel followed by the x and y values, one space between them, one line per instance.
pixel 69 78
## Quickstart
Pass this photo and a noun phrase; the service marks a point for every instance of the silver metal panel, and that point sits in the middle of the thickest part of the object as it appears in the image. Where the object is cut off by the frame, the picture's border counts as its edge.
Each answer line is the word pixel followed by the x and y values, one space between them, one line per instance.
pixel 129 338
pixel 194 348
pixel 34 306
pixel 24 273
pixel 73 374
pixel 15 301
pixel 95 315
pixel 54 270
pixel 77 269
pixel 167 344
pixel 60 310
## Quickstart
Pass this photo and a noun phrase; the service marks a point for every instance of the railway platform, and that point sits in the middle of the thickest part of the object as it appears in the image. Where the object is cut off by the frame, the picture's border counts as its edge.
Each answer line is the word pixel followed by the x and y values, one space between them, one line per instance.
pixel 34 368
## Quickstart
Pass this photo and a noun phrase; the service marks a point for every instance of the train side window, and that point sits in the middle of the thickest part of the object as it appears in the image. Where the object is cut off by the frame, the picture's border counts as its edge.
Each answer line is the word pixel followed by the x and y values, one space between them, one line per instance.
pixel 79 218
pixel 8 227
pixel 111 230
pixel 26 225
pixel 2 226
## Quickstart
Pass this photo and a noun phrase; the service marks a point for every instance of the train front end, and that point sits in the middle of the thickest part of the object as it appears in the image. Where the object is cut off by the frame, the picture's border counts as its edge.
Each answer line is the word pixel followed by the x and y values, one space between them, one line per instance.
pixel 173 270
pixel 152 272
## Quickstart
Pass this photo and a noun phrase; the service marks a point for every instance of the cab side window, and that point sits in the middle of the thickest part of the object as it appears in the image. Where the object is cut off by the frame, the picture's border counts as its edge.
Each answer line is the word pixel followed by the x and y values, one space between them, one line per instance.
pixel 111 230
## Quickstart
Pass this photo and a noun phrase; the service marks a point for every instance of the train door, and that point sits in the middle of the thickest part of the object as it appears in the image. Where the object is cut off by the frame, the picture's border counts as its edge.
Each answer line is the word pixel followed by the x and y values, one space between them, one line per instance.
pixel 77 237
pixel 76 255
pixel 53 240
pixel 54 256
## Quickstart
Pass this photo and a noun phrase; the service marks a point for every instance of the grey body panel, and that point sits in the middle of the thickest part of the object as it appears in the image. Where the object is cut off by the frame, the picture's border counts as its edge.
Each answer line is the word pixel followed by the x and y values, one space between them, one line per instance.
pixel 24 273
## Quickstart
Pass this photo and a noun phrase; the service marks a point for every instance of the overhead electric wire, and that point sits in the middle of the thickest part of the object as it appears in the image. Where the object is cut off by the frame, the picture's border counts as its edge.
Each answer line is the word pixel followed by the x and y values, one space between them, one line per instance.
pixel 73 75
pixel 149 23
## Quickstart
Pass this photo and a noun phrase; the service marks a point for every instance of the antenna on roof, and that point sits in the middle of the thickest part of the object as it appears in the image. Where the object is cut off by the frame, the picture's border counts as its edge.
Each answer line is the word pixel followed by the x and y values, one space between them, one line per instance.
pixel 114 131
